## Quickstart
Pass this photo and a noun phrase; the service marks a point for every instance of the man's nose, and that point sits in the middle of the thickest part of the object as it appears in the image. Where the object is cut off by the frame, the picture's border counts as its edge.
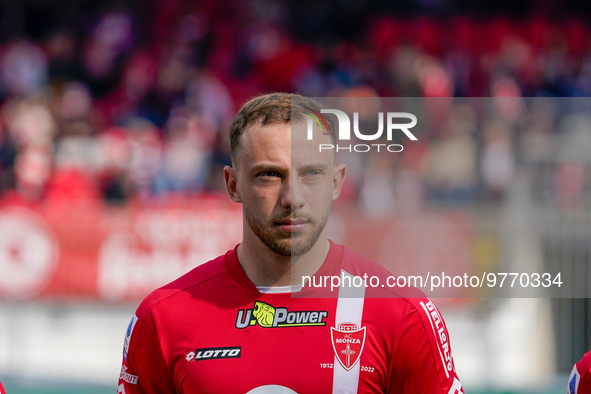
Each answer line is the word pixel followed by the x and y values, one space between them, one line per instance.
pixel 292 196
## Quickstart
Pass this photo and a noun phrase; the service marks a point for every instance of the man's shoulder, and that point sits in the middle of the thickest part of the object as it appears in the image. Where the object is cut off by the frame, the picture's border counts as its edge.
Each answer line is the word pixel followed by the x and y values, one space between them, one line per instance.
pixel 382 283
pixel 356 263
pixel 194 278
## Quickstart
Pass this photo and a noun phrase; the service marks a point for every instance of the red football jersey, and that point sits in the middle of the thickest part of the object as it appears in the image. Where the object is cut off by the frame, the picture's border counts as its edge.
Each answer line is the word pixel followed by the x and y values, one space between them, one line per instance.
pixel 213 331
pixel 2 389
pixel 580 377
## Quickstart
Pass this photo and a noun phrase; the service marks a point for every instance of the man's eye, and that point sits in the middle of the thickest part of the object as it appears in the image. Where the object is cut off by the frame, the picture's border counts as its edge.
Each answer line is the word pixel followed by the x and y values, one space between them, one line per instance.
pixel 269 174
pixel 313 172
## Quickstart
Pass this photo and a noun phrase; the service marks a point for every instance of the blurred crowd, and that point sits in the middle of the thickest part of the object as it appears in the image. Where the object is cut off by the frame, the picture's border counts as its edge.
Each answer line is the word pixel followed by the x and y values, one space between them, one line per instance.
pixel 132 100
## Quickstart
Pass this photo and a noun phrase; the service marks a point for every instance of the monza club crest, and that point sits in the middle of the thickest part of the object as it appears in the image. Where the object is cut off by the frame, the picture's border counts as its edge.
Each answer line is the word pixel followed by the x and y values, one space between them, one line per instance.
pixel 347 342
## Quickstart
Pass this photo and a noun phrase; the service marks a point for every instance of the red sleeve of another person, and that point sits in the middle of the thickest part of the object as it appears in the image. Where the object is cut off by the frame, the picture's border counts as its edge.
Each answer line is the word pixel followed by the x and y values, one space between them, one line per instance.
pixel 2 389
pixel 423 361
pixel 579 381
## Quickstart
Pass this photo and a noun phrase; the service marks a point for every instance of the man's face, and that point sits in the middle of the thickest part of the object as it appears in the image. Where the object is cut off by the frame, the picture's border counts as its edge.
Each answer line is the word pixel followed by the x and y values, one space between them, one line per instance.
pixel 286 185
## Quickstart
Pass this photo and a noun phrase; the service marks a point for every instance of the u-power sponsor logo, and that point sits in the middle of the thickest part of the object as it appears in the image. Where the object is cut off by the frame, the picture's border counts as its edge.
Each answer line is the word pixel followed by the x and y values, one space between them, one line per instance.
pixel 268 316
pixel 392 125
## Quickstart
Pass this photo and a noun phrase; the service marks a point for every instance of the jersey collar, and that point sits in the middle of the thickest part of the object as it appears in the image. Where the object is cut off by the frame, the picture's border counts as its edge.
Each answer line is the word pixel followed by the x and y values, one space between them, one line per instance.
pixel 333 258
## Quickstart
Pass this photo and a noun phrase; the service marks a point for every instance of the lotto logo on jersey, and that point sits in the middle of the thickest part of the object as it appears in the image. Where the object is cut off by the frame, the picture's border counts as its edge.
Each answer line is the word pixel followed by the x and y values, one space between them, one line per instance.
pixel 266 315
pixel 347 342
pixel 212 353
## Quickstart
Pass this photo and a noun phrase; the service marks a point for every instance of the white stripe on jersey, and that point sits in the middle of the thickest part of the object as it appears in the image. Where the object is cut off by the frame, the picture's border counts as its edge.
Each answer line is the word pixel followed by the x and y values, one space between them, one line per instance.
pixel 572 386
pixel 349 310
pixel 435 334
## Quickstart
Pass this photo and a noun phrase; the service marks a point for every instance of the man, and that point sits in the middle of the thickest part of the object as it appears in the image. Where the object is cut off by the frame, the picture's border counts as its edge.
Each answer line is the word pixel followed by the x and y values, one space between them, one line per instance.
pixel 579 381
pixel 237 325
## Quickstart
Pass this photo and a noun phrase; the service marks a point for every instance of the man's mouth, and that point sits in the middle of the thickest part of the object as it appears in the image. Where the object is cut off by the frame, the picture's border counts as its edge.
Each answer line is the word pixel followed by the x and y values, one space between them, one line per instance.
pixel 292 225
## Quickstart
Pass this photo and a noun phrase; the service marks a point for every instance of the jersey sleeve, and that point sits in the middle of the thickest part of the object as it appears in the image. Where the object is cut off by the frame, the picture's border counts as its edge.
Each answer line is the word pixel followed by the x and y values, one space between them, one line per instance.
pixel 579 381
pixel 144 368
pixel 423 361
pixel 2 389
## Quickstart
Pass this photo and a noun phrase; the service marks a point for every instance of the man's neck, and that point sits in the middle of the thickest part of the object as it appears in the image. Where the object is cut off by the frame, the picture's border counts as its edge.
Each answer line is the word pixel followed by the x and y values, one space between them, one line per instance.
pixel 266 268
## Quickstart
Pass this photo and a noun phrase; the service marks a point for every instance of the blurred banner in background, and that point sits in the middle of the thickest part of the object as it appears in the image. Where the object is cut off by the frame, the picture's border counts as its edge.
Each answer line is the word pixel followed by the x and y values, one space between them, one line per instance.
pixel 97 253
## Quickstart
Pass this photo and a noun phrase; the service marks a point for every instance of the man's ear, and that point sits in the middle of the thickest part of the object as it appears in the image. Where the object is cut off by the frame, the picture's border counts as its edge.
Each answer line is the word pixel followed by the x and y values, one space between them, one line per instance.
pixel 338 179
pixel 231 179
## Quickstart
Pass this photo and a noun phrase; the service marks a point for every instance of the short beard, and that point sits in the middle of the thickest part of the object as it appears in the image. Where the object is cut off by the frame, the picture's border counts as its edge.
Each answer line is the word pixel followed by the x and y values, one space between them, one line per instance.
pixel 283 246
